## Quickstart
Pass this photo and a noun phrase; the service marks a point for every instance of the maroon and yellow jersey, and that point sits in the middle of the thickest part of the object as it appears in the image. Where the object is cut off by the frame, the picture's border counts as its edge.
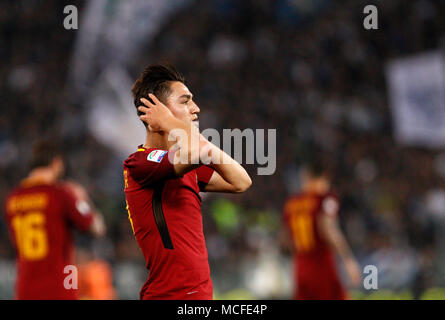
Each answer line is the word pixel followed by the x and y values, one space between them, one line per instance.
pixel 165 214
pixel 40 218
pixel 315 270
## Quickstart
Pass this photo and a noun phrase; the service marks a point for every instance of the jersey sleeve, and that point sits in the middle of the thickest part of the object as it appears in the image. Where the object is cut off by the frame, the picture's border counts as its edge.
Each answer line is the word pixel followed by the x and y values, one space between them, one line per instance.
pixel 204 174
pixel 77 212
pixel 149 167
pixel 330 205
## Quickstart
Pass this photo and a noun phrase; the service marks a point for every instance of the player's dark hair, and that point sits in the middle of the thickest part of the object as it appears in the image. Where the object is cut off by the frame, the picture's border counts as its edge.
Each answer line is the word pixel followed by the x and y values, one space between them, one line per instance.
pixel 315 168
pixel 44 152
pixel 155 79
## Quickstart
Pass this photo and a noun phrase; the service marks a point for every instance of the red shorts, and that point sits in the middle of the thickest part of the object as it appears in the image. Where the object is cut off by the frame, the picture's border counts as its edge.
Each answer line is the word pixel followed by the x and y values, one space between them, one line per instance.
pixel 318 283
pixel 319 289
pixel 204 291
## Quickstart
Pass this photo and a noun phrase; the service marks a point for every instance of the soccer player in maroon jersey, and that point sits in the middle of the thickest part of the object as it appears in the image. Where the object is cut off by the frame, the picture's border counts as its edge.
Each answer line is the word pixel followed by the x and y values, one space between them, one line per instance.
pixel 314 233
pixel 162 192
pixel 40 215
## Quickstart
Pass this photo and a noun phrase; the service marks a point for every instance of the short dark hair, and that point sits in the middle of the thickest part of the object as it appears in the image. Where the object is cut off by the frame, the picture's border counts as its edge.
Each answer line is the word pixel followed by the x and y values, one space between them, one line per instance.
pixel 155 79
pixel 44 152
pixel 315 166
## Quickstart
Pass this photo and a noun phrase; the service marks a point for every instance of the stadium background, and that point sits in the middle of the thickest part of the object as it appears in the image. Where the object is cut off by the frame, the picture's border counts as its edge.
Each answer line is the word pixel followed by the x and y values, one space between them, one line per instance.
pixel 306 68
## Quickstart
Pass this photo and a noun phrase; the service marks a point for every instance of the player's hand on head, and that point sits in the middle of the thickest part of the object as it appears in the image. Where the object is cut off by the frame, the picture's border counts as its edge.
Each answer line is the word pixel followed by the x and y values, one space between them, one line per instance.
pixel 155 113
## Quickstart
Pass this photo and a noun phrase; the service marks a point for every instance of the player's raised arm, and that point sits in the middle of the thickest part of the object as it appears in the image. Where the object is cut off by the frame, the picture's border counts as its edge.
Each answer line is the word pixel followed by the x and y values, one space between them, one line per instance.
pixel 160 119
pixel 229 175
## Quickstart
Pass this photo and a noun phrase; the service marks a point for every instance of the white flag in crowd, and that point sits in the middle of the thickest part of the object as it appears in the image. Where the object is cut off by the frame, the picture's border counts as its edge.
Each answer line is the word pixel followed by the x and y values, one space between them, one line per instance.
pixel 416 89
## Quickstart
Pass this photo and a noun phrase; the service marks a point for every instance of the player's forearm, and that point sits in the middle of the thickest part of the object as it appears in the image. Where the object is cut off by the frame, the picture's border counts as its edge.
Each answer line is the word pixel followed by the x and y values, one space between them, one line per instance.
pixel 98 228
pixel 330 231
pixel 195 149
pixel 340 245
pixel 229 169
pixel 185 137
pixel 170 124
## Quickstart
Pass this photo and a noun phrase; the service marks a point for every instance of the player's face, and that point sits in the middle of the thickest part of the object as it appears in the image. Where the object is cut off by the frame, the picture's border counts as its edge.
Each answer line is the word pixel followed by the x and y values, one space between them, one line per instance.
pixel 181 104
pixel 321 182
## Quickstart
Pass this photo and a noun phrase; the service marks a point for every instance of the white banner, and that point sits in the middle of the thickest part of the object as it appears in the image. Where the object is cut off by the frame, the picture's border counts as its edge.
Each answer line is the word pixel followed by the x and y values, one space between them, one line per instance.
pixel 111 36
pixel 416 89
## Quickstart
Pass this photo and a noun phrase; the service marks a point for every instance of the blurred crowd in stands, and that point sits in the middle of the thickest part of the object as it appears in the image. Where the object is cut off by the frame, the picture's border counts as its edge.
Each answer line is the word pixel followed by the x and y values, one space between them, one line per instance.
pixel 306 68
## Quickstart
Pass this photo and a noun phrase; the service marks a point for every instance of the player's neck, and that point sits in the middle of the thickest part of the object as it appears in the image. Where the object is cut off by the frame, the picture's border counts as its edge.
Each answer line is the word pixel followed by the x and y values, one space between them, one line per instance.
pixel 155 140
pixel 317 187
pixel 45 175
